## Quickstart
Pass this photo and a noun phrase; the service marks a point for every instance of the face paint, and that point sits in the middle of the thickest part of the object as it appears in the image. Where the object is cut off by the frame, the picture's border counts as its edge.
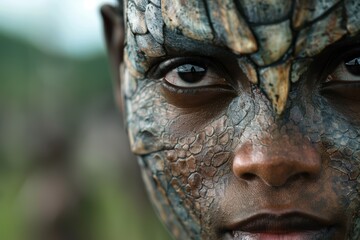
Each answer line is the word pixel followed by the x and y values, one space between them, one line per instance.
pixel 245 115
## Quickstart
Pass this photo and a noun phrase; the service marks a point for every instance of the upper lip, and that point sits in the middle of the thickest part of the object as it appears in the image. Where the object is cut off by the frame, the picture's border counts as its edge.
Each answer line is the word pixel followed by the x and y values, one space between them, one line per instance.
pixel 279 223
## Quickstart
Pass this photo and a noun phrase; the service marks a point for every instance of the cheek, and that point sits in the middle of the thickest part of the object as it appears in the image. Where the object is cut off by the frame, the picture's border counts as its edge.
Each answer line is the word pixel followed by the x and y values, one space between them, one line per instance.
pixel 199 152
pixel 184 152
pixel 340 139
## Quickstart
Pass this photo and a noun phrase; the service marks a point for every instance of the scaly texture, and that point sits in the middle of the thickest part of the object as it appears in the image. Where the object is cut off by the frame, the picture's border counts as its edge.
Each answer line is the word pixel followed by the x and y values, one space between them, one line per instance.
pixel 307 11
pixel 230 28
pixel 265 12
pixel 186 153
pixel 190 18
pixel 272 46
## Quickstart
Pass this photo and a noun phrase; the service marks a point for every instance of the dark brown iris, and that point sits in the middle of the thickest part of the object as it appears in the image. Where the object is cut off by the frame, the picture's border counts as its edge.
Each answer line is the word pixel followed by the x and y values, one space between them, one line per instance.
pixel 353 66
pixel 191 73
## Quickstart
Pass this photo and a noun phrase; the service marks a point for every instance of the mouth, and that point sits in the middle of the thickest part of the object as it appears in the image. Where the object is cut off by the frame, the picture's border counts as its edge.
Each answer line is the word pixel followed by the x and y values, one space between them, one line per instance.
pixel 288 226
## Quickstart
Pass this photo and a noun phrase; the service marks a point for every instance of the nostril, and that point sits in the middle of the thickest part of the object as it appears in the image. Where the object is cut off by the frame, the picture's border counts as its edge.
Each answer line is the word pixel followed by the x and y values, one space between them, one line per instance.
pixel 248 176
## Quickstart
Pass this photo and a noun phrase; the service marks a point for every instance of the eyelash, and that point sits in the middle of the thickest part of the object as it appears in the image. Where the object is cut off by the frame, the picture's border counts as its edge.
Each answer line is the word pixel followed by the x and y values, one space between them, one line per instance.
pixel 342 73
pixel 167 65
pixel 332 58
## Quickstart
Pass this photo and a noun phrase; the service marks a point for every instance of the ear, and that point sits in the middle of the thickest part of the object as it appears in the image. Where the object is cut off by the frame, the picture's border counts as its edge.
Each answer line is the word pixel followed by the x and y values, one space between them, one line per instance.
pixel 114 31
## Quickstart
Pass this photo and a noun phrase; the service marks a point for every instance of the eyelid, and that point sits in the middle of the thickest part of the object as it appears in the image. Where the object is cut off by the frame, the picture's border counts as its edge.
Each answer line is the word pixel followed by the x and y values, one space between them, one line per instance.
pixel 343 74
pixel 161 69
pixel 214 68
pixel 339 82
pixel 192 95
pixel 337 57
pixel 210 79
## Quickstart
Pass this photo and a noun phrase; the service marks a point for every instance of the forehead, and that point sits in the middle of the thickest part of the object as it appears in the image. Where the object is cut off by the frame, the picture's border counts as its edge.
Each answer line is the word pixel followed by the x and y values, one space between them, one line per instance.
pixel 274 39
pixel 247 26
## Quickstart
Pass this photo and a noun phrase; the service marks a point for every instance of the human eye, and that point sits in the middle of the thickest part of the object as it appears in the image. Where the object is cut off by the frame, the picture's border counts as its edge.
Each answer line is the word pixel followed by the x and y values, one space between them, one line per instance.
pixel 194 81
pixel 343 77
pixel 195 75
pixel 348 70
pixel 195 72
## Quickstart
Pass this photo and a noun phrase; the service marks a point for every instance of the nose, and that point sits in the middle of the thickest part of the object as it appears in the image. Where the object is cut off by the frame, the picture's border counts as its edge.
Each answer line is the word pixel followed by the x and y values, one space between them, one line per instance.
pixel 276 163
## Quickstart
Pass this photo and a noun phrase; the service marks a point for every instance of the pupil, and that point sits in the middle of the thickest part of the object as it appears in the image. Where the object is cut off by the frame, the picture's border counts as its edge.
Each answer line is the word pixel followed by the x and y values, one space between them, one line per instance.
pixel 191 73
pixel 353 66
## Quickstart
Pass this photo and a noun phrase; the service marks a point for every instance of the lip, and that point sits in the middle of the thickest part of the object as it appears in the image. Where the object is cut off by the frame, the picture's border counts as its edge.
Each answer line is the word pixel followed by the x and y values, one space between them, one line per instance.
pixel 285 226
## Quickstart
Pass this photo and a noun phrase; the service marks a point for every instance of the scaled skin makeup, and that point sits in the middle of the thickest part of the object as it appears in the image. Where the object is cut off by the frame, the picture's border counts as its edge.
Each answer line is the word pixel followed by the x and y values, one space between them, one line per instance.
pixel 245 115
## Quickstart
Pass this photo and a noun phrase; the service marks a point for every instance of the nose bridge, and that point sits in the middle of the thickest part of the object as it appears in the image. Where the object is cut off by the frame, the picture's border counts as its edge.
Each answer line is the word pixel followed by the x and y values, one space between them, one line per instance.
pixel 276 160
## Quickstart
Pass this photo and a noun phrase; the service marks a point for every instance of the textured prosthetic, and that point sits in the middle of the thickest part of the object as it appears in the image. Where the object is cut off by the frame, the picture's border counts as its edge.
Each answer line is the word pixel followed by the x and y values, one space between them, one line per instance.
pixel 187 167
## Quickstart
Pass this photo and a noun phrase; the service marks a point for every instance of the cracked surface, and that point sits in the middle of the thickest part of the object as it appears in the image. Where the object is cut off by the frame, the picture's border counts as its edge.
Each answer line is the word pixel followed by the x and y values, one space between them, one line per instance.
pixel 186 153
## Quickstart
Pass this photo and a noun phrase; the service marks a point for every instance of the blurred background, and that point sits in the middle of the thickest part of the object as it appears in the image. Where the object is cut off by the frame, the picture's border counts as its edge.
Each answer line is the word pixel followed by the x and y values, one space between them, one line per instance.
pixel 65 167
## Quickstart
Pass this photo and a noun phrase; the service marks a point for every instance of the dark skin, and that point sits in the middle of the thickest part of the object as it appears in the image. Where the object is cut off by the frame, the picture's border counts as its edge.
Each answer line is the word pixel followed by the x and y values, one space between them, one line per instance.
pixel 258 140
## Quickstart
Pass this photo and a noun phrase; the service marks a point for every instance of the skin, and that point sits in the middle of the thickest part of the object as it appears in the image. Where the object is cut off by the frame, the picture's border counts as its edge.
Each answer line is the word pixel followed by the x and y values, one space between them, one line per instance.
pixel 266 143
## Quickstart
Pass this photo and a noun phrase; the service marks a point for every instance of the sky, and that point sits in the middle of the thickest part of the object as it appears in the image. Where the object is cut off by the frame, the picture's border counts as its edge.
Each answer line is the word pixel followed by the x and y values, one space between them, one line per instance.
pixel 68 27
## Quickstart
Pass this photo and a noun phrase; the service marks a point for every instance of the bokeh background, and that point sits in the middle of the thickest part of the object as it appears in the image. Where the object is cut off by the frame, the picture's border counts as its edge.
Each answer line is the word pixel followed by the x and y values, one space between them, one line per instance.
pixel 65 167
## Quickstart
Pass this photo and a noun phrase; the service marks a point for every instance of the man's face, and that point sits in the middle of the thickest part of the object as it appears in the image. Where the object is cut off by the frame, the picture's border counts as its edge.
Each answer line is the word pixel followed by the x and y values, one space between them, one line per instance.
pixel 245 115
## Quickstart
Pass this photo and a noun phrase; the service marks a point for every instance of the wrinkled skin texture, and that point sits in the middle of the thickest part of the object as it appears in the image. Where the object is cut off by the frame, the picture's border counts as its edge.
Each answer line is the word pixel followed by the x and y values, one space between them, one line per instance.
pixel 275 138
